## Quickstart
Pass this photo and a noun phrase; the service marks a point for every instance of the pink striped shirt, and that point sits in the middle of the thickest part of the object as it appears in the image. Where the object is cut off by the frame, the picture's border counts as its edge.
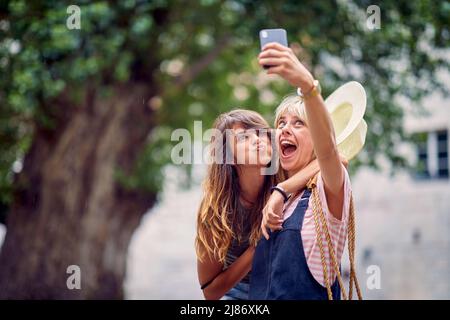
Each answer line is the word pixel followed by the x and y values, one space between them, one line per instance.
pixel 337 228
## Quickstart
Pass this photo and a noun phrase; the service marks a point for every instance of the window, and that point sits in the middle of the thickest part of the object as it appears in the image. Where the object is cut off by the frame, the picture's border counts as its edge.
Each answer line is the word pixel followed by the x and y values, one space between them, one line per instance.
pixel 432 154
pixel 442 151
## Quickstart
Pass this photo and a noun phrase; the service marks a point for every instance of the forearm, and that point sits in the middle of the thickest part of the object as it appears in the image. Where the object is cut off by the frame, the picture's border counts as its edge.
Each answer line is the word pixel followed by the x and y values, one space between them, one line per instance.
pixel 299 180
pixel 232 275
pixel 322 134
pixel 321 128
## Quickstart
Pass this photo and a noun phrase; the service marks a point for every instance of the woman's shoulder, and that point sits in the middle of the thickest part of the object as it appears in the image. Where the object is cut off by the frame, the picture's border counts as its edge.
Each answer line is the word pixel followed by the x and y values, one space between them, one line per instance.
pixel 347 182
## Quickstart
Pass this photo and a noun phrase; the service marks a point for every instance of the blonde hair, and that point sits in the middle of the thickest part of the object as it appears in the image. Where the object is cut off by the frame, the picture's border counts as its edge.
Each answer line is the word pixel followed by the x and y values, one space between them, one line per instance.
pixel 291 104
pixel 218 208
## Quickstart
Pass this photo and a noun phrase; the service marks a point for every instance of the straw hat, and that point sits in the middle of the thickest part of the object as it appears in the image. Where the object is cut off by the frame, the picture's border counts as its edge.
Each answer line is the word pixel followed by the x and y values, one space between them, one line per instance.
pixel 347 106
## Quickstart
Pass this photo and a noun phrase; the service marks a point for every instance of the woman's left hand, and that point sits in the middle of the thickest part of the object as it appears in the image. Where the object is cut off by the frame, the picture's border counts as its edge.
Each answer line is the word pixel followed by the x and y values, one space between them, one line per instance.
pixel 272 214
pixel 284 63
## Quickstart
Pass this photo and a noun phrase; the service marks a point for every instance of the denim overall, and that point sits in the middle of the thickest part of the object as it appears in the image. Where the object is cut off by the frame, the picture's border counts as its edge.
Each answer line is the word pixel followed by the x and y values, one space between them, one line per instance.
pixel 280 270
pixel 238 292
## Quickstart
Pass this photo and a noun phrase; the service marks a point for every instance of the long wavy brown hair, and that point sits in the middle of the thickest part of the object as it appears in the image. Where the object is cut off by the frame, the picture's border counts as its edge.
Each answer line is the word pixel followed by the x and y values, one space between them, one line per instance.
pixel 218 208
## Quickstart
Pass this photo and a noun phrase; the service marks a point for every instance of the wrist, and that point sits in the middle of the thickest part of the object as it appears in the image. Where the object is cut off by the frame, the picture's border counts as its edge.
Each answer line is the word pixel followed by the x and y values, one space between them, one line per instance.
pixel 277 197
pixel 313 90
pixel 306 83
pixel 283 186
pixel 278 189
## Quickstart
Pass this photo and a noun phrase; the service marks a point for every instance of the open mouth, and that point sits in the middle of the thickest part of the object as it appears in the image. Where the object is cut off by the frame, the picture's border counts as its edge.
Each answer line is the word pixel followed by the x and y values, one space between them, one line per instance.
pixel 287 148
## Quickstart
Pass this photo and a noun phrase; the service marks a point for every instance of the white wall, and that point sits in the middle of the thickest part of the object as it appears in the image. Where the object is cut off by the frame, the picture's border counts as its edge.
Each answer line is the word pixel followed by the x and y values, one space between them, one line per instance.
pixel 389 212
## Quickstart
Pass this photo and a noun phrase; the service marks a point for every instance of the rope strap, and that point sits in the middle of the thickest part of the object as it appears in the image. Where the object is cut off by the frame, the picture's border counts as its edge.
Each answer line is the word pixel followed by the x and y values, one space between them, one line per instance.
pixel 322 231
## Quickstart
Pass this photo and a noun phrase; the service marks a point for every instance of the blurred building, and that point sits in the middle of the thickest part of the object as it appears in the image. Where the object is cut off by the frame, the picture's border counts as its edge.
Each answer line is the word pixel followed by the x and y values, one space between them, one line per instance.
pixel 403 221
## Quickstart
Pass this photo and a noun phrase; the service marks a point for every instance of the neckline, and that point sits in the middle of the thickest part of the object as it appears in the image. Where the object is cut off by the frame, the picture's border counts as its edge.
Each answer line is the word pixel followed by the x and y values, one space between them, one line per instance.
pixel 297 201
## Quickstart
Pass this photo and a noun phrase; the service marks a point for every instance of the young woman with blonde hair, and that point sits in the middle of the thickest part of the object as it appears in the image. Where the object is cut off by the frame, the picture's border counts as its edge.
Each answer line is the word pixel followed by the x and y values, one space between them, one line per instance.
pixel 300 259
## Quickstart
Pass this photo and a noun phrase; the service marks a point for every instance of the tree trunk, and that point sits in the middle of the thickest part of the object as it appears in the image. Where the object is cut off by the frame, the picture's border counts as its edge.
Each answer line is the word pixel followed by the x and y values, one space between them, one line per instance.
pixel 69 209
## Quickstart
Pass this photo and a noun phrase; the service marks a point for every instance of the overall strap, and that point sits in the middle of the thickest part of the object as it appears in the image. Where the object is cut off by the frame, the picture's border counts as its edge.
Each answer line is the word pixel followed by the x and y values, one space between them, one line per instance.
pixel 295 221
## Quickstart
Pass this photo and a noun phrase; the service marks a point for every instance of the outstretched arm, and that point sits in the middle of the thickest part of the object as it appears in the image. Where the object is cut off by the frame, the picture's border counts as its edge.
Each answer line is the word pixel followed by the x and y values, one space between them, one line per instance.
pixel 286 65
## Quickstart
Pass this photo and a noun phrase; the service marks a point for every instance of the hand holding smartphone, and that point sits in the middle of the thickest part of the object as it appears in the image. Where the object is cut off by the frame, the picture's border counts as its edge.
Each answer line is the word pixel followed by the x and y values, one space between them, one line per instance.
pixel 272 35
pixel 280 60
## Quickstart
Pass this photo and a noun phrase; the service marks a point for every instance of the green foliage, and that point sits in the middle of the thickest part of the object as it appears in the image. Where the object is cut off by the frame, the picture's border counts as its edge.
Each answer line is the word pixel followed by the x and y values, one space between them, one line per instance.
pixel 160 40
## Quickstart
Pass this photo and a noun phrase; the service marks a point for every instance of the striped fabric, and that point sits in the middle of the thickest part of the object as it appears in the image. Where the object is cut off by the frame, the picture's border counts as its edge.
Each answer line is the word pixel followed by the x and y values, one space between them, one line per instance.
pixel 337 228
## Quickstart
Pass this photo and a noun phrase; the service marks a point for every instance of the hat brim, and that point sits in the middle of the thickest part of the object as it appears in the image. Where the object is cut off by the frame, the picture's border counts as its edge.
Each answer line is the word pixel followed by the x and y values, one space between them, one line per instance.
pixel 347 106
pixel 354 143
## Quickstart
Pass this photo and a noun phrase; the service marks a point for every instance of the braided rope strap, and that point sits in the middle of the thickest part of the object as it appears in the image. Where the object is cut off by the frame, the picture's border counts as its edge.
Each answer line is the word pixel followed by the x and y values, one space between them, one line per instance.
pixel 322 231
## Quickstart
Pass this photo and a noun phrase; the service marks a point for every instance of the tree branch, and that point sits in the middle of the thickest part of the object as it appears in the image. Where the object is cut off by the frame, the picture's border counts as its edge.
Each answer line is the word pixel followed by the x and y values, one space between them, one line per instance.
pixel 203 62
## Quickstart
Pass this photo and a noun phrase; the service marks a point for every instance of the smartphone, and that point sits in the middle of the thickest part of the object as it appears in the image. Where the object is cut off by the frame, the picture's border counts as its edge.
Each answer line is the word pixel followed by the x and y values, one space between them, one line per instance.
pixel 272 35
